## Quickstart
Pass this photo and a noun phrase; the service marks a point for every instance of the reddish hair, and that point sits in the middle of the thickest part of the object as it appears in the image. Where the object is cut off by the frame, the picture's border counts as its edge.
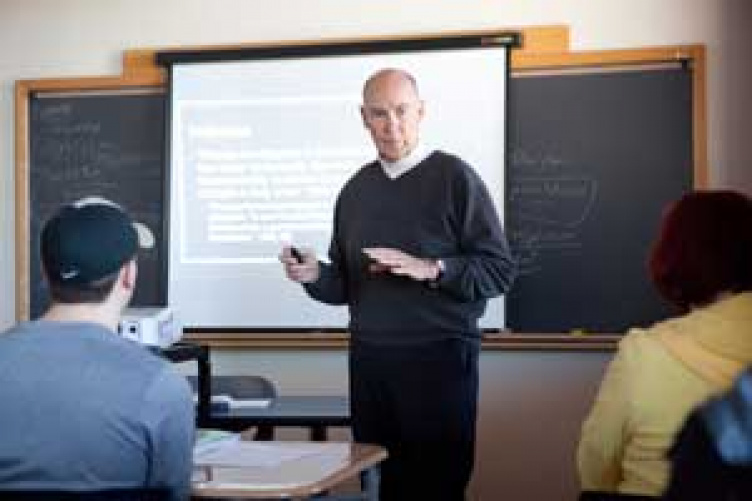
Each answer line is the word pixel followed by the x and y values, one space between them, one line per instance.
pixel 704 248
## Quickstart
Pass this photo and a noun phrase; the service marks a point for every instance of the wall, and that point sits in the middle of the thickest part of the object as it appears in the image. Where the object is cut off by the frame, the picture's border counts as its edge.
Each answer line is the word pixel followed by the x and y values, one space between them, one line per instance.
pixel 532 402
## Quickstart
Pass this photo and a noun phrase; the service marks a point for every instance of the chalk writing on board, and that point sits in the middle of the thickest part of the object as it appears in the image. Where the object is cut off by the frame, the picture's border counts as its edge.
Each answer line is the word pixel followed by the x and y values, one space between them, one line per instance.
pixel 548 202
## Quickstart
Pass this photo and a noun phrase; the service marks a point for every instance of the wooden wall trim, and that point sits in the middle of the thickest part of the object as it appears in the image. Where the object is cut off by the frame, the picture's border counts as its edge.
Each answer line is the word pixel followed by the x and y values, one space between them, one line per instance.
pixel 24 91
pixel 540 61
pixel 340 341
pixel 21 125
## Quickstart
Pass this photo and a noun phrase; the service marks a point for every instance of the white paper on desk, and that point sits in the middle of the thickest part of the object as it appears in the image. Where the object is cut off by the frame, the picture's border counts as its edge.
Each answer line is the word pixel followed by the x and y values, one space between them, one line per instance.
pixel 237 403
pixel 250 403
pixel 252 454
pixel 208 440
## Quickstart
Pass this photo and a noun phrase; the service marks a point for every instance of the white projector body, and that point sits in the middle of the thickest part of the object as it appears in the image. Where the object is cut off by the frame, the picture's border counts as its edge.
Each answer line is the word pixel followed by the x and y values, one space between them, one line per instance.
pixel 152 326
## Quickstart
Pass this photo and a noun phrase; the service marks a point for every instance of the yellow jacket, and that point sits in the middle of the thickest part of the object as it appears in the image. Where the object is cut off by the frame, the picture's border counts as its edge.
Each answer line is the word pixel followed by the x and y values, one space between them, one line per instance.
pixel 655 379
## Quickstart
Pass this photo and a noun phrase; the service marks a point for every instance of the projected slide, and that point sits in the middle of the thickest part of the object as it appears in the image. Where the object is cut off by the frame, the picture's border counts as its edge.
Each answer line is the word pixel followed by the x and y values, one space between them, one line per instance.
pixel 247 187
pixel 260 150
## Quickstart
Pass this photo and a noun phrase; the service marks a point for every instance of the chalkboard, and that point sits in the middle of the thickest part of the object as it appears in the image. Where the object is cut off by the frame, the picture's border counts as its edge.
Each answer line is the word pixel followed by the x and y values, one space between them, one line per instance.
pixel 110 145
pixel 594 159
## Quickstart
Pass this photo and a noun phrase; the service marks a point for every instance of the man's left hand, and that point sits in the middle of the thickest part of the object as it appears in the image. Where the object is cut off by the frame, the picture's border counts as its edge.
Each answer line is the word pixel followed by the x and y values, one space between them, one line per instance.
pixel 400 263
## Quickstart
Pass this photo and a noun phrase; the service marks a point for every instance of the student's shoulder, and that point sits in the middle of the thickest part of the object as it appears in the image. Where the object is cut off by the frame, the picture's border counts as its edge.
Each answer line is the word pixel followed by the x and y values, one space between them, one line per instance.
pixel 13 342
pixel 147 359
pixel 640 345
pixel 166 387
pixel 173 381
pixel 10 334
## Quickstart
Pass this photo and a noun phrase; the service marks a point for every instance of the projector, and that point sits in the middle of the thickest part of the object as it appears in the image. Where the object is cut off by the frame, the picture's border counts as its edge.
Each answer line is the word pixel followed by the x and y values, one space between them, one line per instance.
pixel 152 326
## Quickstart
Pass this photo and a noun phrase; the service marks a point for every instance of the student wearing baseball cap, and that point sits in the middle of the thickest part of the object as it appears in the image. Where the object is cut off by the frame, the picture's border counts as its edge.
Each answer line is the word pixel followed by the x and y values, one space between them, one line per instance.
pixel 84 246
pixel 91 411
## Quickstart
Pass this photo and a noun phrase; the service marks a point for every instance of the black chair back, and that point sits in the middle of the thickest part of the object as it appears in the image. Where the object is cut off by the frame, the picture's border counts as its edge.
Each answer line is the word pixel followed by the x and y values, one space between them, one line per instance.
pixel 241 387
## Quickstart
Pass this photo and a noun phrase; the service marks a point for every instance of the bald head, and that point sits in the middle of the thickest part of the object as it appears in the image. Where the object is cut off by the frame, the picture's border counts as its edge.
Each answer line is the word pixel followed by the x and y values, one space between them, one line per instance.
pixel 393 75
pixel 392 112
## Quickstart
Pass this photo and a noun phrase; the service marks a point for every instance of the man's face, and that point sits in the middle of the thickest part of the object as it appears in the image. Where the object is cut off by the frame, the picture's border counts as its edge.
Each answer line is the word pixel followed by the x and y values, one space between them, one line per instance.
pixel 392 112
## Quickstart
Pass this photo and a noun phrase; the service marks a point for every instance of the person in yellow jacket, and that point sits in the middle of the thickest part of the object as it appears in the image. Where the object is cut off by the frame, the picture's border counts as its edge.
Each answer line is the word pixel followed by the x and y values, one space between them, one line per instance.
pixel 702 263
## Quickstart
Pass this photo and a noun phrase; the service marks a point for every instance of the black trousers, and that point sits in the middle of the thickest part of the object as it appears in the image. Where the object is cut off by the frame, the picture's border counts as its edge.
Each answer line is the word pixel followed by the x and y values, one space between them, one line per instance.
pixel 420 402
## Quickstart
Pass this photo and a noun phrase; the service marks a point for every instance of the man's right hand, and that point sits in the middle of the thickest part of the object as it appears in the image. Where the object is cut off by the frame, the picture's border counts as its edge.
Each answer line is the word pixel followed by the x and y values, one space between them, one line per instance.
pixel 305 271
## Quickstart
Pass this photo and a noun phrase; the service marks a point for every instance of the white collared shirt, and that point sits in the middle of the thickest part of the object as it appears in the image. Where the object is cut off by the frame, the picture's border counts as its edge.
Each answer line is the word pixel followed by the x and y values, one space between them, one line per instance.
pixel 395 169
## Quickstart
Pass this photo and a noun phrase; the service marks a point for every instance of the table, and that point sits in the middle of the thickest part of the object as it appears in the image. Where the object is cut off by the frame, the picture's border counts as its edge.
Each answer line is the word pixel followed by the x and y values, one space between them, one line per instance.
pixel 316 412
pixel 301 478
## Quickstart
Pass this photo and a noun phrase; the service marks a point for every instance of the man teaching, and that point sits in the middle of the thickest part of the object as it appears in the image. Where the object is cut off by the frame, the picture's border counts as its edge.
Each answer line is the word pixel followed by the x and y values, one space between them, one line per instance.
pixel 416 251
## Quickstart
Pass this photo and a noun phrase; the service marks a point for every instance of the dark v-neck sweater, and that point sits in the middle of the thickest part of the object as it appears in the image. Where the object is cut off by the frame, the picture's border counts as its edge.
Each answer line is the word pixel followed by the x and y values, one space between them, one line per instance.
pixel 438 209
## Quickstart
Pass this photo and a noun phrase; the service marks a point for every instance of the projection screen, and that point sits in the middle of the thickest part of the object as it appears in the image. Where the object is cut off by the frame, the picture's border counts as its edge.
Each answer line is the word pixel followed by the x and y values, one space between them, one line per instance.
pixel 260 146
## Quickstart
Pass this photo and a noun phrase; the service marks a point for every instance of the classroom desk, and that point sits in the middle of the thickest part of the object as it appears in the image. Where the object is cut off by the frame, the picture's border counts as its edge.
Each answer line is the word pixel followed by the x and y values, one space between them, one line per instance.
pixel 303 478
pixel 316 412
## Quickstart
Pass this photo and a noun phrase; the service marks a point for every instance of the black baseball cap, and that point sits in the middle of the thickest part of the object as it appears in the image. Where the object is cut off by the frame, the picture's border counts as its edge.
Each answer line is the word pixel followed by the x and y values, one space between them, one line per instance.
pixel 89 240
